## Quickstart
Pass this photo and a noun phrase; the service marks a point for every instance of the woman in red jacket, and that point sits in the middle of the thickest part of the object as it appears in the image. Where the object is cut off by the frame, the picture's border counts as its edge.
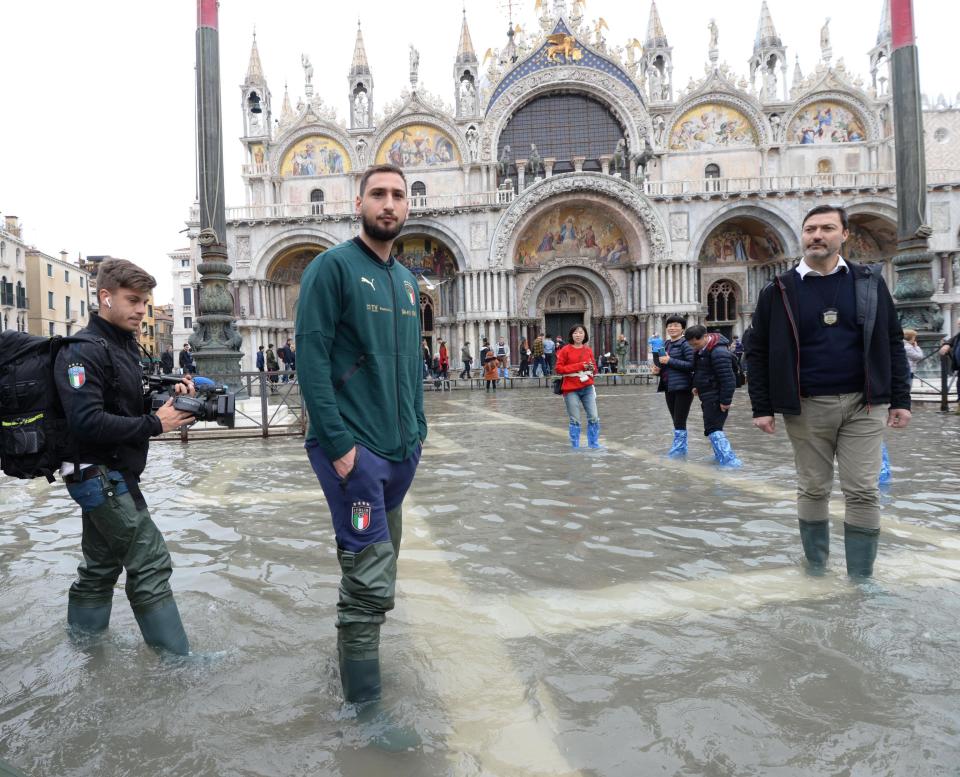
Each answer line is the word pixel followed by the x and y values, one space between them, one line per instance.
pixel 575 362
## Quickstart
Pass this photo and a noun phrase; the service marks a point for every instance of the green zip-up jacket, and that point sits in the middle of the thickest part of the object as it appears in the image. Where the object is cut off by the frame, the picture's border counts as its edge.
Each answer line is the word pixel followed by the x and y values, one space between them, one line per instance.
pixel 358 353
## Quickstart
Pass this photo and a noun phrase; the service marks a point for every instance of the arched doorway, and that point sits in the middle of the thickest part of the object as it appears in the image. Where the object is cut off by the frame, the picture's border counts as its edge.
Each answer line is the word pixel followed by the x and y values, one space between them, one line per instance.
pixel 564 308
pixel 287 268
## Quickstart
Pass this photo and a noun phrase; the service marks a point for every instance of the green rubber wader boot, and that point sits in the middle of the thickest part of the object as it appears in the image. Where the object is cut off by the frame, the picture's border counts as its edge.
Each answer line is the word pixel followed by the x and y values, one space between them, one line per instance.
pixel 162 628
pixel 88 620
pixel 395 527
pixel 815 537
pixel 861 548
pixel 358 651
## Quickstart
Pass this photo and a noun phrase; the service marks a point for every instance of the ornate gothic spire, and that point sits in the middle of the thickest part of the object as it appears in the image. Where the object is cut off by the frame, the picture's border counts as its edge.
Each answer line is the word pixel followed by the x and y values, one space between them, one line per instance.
pixel 797 73
pixel 766 33
pixel 656 37
pixel 465 52
pixel 255 69
pixel 359 65
pixel 286 112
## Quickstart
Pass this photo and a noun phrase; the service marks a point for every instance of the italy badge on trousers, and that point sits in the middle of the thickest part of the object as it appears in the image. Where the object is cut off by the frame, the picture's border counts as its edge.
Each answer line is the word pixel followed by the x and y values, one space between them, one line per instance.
pixel 360 516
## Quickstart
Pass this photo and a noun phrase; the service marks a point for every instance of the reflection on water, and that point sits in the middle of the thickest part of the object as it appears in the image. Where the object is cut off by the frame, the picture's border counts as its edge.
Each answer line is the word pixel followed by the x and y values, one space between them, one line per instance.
pixel 559 612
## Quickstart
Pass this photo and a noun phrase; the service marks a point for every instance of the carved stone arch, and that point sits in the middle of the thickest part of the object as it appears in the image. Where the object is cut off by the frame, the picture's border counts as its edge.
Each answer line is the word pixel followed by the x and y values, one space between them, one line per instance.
pixel 628 108
pixel 738 102
pixel 442 232
pixel 505 233
pixel 869 117
pixel 588 269
pixel 770 215
pixel 286 142
pixel 872 205
pixel 423 116
pixel 285 240
pixel 591 291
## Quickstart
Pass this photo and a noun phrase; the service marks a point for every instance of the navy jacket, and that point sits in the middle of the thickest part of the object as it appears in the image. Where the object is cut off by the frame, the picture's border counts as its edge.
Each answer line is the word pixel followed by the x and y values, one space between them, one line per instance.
pixel 713 370
pixel 105 405
pixel 261 365
pixel 773 353
pixel 677 374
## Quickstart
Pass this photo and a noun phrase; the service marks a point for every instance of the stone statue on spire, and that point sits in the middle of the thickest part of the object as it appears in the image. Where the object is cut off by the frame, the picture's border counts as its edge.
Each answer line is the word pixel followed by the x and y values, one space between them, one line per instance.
pixel 825 48
pixel 414 67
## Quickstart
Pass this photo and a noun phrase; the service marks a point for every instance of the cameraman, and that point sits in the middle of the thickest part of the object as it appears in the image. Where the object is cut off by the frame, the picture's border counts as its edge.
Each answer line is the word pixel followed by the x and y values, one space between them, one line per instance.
pixel 100 383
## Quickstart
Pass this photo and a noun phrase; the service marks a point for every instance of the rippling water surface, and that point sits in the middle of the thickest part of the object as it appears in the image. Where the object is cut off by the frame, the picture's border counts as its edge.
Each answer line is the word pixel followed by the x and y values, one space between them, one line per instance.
pixel 558 613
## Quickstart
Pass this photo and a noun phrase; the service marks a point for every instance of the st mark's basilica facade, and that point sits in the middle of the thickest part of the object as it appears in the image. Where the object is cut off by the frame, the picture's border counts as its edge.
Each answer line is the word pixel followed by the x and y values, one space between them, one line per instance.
pixel 571 181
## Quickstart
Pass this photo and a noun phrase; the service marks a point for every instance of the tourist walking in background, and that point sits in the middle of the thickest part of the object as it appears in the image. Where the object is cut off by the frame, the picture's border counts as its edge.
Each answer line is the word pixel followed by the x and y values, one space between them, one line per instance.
pixel 539 362
pixel 273 366
pixel 714 382
pixel 524 369
pixel 444 361
pixel 484 349
pixel 912 349
pixel 676 381
pixel 620 350
pixel 549 353
pixel 577 365
pixel 491 371
pixel 467 360
pixel 827 352
pixel 261 362
pixel 951 348
pixel 166 361
pixel 426 357
pixel 502 352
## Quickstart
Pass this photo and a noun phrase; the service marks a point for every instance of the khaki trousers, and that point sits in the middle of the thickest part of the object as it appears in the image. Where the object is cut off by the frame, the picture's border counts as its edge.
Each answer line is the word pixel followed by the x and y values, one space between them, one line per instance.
pixel 838 427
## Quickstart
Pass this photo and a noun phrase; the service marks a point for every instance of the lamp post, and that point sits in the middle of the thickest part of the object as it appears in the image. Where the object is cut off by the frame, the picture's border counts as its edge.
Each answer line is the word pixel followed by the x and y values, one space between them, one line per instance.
pixel 215 340
pixel 913 262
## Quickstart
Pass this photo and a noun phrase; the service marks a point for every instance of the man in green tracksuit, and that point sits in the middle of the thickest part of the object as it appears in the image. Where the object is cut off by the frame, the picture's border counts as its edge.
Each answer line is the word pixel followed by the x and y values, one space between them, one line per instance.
pixel 358 348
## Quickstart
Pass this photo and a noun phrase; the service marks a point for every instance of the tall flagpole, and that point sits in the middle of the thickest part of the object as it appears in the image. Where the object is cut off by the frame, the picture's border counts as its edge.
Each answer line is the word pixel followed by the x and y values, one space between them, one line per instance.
pixel 215 341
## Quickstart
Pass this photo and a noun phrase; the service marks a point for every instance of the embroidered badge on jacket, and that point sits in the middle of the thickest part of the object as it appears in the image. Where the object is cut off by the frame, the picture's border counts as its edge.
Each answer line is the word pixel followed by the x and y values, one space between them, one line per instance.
pixel 77 375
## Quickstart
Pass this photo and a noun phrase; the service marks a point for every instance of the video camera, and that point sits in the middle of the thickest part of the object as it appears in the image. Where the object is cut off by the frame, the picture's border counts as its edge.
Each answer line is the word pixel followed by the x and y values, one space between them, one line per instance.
pixel 212 403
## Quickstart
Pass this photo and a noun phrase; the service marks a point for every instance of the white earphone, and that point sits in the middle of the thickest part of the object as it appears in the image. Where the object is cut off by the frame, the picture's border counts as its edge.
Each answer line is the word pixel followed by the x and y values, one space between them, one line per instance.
pixel 109 303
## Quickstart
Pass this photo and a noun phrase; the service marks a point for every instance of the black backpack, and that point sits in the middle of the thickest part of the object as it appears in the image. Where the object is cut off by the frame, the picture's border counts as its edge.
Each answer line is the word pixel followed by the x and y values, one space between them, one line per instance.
pixel 34 439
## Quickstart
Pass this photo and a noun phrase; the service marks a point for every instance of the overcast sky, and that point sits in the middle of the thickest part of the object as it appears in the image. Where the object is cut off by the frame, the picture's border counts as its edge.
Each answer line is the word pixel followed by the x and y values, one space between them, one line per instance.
pixel 97 116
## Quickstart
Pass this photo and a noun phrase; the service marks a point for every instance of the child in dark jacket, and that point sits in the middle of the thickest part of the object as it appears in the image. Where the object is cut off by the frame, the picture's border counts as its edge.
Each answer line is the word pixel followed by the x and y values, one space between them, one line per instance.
pixel 714 381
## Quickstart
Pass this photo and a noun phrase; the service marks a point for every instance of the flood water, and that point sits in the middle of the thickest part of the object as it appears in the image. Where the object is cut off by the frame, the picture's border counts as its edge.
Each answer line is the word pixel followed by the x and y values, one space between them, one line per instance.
pixel 558 612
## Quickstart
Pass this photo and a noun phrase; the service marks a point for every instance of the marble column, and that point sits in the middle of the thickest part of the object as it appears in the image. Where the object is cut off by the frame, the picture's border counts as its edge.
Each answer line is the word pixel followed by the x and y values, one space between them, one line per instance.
pixel 605 163
pixel 548 164
pixel 521 174
pixel 578 163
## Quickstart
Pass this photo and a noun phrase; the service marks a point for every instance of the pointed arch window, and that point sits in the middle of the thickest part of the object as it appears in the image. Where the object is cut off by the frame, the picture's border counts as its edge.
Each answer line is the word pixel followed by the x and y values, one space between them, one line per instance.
pixel 426 313
pixel 722 303
pixel 316 202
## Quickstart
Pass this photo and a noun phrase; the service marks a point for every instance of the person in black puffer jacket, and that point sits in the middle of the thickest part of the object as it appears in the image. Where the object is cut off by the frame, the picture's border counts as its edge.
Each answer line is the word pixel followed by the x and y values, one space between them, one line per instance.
pixel 714 381
pixel 675 368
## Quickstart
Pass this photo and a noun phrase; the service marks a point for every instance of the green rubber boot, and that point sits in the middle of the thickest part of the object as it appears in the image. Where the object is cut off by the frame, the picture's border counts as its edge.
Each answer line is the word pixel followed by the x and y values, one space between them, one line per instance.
pixel 861 548
pixel 88 620
pixel 815 537
pixel 162 628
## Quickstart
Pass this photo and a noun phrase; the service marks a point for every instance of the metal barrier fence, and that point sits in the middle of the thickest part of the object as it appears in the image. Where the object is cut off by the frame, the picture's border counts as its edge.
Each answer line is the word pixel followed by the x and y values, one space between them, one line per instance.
pixel 269 404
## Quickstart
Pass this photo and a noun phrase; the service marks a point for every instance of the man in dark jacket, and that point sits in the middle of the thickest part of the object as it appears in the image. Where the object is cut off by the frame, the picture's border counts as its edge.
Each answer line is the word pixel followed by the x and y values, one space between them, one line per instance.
pixel 100 385
pixel 951 348
pixel 166 361
pixel 187 365
pixel 714 381
pixel 827 352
